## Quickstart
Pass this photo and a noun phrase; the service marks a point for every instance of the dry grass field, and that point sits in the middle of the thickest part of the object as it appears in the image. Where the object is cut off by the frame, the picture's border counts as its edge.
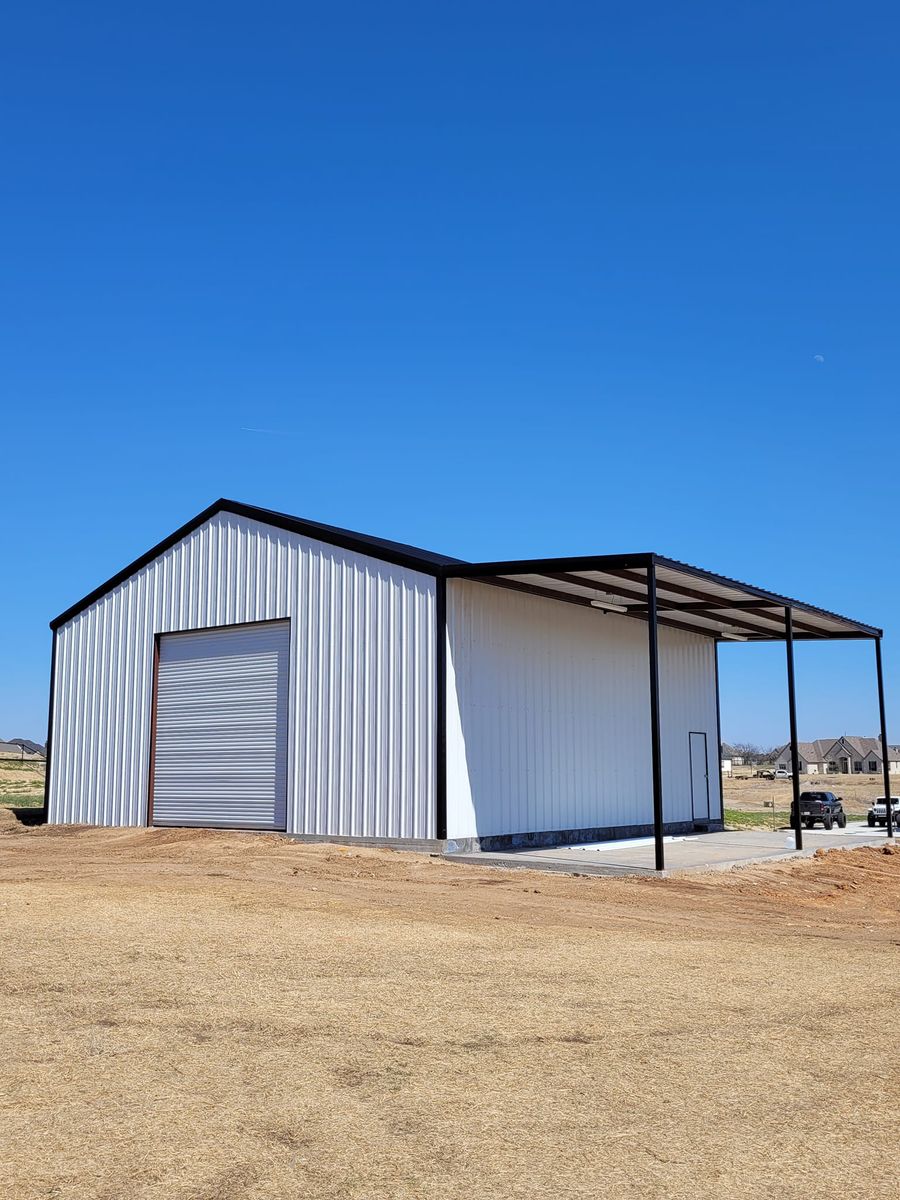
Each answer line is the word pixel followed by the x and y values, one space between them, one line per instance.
pixel 194 1015
pixel 22 783
pixel 857 791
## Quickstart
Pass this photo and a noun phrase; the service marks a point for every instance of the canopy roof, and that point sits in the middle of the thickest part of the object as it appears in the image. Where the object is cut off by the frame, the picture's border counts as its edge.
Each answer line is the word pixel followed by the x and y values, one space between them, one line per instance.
pixel 688 597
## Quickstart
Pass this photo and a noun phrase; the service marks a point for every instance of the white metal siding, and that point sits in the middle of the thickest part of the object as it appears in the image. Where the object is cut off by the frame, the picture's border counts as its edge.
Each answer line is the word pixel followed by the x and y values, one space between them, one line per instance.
pixel 361 744
pixel 687 702
pixel 548 715
pixel 221 727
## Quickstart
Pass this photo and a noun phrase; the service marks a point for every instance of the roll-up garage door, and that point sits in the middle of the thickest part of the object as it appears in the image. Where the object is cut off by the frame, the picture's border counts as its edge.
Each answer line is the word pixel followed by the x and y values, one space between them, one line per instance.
pixel 220 746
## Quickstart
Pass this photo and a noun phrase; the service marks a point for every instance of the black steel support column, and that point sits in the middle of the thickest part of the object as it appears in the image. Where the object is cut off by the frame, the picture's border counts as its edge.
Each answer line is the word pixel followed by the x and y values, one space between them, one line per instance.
pixel 719 737
pixel 792 710
pixel 440 746
pixel 885 748
pixel 655 750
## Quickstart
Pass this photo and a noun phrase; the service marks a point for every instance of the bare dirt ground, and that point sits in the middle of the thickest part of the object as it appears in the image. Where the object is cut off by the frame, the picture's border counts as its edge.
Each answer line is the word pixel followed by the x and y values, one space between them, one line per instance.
pixel 857 791
pixel 194 1015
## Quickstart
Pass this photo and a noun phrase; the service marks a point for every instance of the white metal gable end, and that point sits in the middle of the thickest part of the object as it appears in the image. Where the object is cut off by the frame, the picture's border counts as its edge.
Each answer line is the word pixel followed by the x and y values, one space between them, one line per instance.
pixel 547 722
pixel 360 750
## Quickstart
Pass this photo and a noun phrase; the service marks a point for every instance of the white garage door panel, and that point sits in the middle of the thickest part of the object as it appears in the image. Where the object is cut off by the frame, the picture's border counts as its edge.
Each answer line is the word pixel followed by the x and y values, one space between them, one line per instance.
pixel 221 727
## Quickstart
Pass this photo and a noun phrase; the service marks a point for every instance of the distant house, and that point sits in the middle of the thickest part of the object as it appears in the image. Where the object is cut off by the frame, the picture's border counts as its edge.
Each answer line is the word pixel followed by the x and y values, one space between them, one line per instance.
pixel 840 756
pixel 811 756
pixel 735 756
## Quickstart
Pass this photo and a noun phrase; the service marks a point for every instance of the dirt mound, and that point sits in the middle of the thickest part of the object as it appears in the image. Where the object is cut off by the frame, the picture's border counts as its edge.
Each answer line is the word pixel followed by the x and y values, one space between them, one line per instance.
pixel 9 822
pixel 850 893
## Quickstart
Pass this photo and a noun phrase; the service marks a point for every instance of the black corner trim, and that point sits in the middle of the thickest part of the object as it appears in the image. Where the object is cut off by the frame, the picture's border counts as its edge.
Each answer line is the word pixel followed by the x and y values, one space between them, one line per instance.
pixel 48 749
pixel 440 757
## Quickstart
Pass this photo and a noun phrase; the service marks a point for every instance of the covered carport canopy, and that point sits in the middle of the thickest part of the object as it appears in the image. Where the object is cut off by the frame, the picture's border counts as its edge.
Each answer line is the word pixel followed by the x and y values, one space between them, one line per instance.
pixel 663 591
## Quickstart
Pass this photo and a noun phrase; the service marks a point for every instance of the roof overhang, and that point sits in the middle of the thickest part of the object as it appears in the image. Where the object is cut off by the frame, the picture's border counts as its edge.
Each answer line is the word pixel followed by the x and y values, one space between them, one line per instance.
pixel 688 598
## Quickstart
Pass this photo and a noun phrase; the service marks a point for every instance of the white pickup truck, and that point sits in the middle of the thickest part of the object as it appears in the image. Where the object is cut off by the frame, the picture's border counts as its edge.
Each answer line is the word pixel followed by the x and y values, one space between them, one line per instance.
pixel 878 812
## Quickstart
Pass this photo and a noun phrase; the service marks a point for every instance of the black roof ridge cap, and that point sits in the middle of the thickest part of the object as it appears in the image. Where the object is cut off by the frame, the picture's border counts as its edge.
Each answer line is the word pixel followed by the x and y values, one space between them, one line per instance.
pixel 341 535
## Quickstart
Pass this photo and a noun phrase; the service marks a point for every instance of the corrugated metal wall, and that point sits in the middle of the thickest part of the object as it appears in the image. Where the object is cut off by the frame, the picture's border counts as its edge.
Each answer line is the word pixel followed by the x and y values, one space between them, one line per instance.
pixel 361 751
pixel 548 715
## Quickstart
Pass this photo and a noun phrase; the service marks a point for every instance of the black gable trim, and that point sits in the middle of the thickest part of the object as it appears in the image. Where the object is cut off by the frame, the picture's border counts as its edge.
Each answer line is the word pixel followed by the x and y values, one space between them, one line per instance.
pixel 397 553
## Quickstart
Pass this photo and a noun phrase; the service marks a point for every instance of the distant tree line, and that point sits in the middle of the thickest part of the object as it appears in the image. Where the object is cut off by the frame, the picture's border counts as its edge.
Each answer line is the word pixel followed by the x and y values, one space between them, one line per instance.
pixel 752 754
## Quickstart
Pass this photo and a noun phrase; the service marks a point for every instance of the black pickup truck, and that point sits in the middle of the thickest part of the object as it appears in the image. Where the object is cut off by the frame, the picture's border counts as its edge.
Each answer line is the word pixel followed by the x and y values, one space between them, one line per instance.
pixel 819 806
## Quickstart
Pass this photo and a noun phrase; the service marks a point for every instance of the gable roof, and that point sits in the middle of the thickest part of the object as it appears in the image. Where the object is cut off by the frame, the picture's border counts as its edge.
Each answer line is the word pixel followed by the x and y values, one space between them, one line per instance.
pixel 864 746
pixel 822 749
pixel 808 751
pixel 726 608
pixel 398 553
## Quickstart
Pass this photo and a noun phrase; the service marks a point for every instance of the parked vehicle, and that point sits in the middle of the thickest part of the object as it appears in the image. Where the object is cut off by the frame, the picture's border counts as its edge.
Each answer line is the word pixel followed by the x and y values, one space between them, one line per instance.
pixel 819 806
pixel 772 774
pixel 878 812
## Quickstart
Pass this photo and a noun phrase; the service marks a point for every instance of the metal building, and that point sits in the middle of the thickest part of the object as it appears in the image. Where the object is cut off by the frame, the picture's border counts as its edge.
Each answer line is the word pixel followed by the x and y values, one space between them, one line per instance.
pixel 258 671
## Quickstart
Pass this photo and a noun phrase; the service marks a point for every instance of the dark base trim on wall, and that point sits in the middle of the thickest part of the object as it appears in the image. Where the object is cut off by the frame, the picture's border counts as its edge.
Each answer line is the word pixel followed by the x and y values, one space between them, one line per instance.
pixel 566 837
pixel 513 841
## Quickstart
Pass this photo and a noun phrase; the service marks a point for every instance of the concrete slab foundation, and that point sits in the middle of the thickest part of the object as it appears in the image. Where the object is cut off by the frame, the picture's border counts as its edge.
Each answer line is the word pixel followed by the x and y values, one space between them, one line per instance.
pixel 719 851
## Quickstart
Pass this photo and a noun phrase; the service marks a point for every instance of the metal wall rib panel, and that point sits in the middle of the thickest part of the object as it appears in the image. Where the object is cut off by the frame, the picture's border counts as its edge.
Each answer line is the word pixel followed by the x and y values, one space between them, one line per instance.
pixel 548 715
pixel 362 678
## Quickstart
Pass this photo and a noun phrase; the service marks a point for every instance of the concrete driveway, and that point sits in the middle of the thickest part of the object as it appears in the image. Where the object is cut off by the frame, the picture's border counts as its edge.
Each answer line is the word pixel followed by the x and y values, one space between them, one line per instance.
pixel 685 853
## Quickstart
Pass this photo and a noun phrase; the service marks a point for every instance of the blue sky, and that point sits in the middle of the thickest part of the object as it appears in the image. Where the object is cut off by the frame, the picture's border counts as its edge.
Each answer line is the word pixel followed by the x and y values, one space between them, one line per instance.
pixel 496 279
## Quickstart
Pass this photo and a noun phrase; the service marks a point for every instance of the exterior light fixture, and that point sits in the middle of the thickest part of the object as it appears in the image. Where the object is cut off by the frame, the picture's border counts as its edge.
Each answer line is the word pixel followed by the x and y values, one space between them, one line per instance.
pixel 733 637
pixel 608 606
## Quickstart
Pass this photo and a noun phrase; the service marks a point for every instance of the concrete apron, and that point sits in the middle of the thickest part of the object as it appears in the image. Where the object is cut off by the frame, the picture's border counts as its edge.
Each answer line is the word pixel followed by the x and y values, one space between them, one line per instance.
pixel 722 851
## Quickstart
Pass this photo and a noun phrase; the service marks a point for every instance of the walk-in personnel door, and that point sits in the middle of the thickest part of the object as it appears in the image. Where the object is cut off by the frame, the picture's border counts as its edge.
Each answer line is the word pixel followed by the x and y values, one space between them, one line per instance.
pixel 699 776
